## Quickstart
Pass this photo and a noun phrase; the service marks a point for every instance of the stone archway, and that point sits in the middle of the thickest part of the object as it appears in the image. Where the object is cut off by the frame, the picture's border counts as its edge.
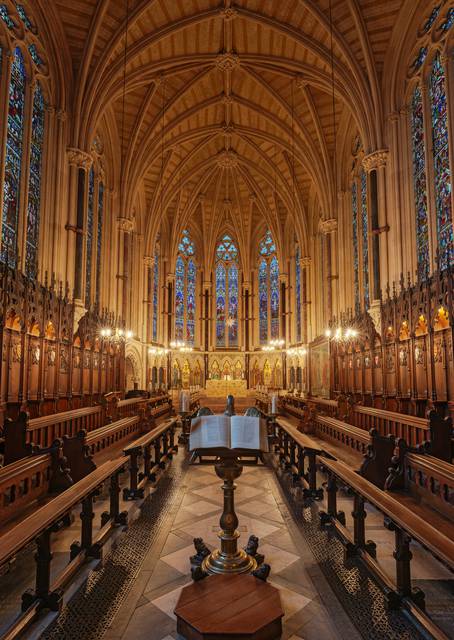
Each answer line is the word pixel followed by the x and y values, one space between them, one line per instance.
pixel 133 369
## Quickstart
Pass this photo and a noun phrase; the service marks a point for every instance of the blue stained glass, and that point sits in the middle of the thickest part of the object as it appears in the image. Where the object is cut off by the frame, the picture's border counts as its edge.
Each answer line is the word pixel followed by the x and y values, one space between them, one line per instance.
pixel 13 159
pixel 419 60
pixel 155 296
pixel 263 301
pixel 267 246
pixel 226 249
pixel 233 306
pixel 23 16
pixel 365 239
pixel 99 240
pixel 35 55
pixel 179 298
pixel 186 246
pixel 220 304
pixel 4 15
pixel 420 184
pixel 298 294
pixel 190 303
pixel 34 183
pixel 89 232
pixel 274 297
pixel 431 19
pixel 442 172
pixel 355 245
pixel 449 21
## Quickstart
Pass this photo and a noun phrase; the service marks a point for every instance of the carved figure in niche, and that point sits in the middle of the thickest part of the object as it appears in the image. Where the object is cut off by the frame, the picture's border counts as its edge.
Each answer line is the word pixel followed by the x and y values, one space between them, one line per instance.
pixel 64 366
pixel 367 362
pixel 238 371
pixel 227 370
pixel 377 361
pixel 350 363
pixel 51 356
pixel 186 374
pixel 358 362
pixel 16 351
pixel 344 364
pixel 76 360
pixel 35 355
pixel 267 374
pixel 176 376
pixel 438 351
pixel 403 357
pixel 215 371
pixel 86 359
pixel 103 362
pixel 95 361
pixel 389 362
pixel 419 355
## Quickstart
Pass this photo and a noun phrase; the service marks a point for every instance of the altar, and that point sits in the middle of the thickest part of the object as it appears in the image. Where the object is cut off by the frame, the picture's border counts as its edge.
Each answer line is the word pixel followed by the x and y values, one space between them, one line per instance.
pixel 218 388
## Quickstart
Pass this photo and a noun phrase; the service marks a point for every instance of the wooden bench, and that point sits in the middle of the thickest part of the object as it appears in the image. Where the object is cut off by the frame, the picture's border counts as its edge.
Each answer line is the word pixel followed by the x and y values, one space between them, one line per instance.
pixel 162 439
pixel 412 429
pixel 399 518
pixel 39 527
pixel 30 479
pixel 24 434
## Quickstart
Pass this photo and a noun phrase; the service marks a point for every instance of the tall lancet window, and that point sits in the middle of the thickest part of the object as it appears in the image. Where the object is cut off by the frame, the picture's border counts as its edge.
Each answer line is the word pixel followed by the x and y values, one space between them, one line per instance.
pixel 440 140
pixel 355 245
pixel 420 184
pixel 365 240
pixel 89 241
pixel 34 183
pixel 298 294
pixel 13 159
pixel 185 290
pixel 99 240
pixel 227 293
pixel 268 287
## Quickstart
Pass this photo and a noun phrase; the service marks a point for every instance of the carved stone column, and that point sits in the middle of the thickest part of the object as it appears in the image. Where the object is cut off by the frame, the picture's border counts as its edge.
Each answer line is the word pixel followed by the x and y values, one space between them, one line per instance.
pixel 148 263
pixel 125 229
pixel 329 229
pixel 306 325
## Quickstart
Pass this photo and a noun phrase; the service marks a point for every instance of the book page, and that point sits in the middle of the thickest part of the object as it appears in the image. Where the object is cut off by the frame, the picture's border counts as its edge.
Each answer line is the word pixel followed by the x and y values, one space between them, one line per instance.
pixel 246 433
pixel 208 432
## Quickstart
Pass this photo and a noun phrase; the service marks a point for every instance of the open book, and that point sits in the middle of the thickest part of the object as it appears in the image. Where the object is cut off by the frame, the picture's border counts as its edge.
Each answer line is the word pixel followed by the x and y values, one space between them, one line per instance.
pixel 236 432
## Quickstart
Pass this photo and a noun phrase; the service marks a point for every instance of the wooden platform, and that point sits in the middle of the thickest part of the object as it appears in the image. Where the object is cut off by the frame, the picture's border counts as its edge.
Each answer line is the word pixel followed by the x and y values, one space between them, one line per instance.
pixel 239 607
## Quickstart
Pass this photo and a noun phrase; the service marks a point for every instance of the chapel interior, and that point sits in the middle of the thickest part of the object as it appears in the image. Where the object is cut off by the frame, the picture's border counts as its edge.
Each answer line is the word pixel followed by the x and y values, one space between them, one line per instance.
pixel 226 298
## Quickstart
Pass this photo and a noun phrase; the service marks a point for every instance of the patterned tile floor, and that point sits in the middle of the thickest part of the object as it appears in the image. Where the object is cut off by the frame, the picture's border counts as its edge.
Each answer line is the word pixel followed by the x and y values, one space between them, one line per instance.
pixel 311 609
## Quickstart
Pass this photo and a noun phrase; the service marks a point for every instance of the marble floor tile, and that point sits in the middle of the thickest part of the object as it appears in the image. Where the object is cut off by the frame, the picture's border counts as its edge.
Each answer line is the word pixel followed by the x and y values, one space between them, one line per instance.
pixel 180 559
pixel 291 601
pixel 201 507
pixel 276 557
pixel 168 602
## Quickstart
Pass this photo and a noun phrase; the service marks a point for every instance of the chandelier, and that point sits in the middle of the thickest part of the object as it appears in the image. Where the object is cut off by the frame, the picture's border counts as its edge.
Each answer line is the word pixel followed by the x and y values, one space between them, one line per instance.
pixel 273 345
pixel 116 335
pixel 181 346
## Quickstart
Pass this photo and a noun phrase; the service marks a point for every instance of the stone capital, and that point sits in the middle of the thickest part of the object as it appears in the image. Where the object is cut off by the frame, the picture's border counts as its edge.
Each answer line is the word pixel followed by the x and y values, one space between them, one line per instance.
pixel 125 224
pixel 148 261
pixel 375 160
pixel 328 226
pixel 306 261
pixel 79 158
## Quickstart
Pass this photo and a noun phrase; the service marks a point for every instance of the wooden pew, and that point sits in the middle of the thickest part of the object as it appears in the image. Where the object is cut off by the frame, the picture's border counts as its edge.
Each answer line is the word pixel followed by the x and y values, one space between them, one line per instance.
pixel 162 439
pixel 399 518
pixel 39 527
pixel 412 429
pixel 32 478
pixel 25 433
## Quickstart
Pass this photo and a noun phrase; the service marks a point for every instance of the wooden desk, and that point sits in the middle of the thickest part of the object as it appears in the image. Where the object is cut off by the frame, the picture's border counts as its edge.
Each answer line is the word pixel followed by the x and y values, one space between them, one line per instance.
pixel 227 607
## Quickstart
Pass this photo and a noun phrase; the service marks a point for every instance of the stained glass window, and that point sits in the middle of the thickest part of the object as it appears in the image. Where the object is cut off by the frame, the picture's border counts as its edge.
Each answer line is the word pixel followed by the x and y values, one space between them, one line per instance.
pixel 190 303
pixel 274 297
pixel 24 17
pixel 4 15
pixel 267 246
pixel 263 301
pixel 431 19
pixel 355 245
pixel 186 246
pixel 220 304
pixel 233 306
pixel 34 183
pixel 420 184
pixel 99 239
pixel 35 55
pixel 226 293
pixel 442 177
pixel 13 159
pixel 449 21
pixel 298 294
pixel 421 56
pixel 365 239
pixel 89 232
pixel 155 296
pixel 179 298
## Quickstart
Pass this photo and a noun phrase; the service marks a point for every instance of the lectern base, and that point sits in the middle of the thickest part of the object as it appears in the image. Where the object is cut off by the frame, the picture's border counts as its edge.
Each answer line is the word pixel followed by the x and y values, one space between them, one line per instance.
pixel 218 562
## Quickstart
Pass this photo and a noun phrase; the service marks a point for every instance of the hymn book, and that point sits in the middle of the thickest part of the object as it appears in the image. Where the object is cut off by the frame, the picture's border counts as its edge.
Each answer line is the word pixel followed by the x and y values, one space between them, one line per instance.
pixel 228 432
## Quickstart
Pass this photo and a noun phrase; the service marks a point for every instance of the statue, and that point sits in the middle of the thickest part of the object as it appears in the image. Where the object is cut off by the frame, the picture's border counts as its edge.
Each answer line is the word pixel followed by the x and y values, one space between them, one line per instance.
pixel 230 407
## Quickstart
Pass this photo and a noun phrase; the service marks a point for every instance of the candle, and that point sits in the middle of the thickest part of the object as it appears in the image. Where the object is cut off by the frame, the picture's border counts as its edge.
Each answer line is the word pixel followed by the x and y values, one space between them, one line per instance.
pixel 274 404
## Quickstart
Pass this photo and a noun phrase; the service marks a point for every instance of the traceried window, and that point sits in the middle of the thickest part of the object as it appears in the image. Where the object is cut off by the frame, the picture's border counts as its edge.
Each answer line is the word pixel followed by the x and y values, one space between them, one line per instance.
pixel 34 183
pixel 13 159
pixel 89 235
pixel 355 245
pixel 365 239
pixel 226 293
pixel 420 184
pixel 268 286
pixel 99 239
pixel 298 294
pixel 185 291
pixel 442 172
pixel 154 332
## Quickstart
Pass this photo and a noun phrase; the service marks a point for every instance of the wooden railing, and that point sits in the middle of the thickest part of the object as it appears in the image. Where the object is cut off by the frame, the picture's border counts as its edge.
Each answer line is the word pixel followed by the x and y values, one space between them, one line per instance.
pixel 412 429
pixel 39 527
